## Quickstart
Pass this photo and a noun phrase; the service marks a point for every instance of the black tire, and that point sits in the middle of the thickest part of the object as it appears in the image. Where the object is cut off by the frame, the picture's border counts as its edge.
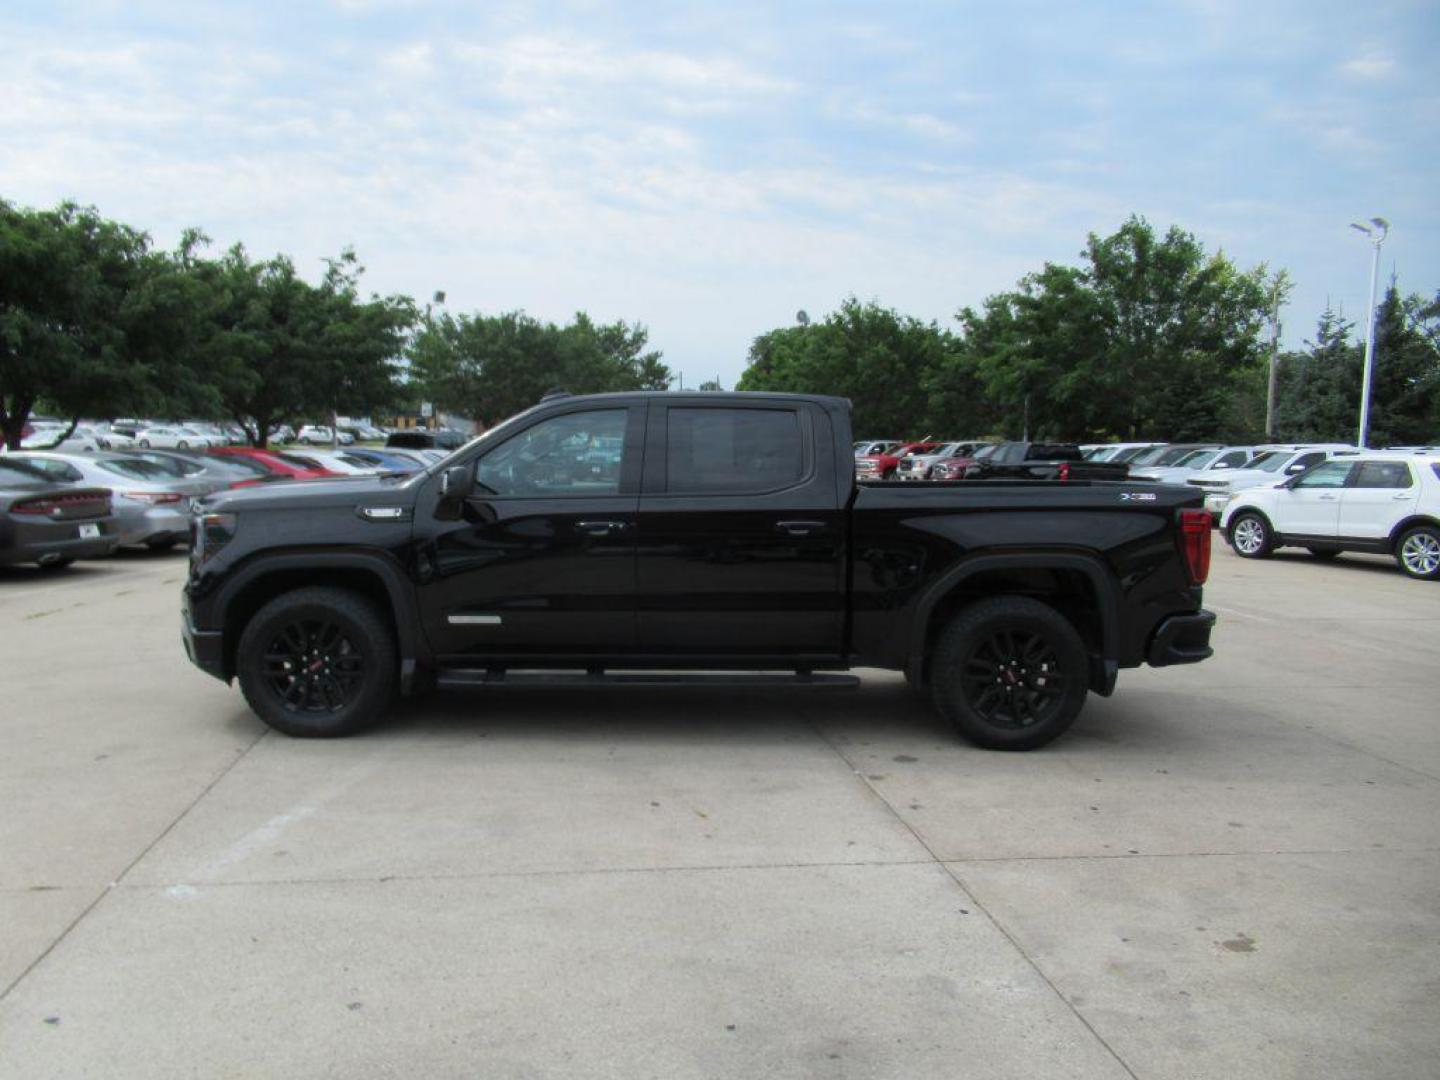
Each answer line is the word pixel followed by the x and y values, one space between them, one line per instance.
pixel 163 544
pixel 317 663
pixel 1010 673
pixel 1417 552
pixel 55 564
pixel 1255 539
pixel 1324 553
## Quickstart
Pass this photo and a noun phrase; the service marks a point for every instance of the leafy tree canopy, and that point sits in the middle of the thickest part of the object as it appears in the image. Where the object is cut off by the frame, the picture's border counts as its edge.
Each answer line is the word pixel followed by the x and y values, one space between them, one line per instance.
pixel 492 366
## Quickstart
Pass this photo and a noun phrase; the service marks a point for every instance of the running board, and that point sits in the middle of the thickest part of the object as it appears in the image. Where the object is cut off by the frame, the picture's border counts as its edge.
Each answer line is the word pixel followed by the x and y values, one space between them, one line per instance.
pixel 455 678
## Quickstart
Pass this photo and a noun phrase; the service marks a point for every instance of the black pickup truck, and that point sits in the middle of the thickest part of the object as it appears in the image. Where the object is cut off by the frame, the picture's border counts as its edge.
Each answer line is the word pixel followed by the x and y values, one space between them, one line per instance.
pixel 636 537
pixel 1043 461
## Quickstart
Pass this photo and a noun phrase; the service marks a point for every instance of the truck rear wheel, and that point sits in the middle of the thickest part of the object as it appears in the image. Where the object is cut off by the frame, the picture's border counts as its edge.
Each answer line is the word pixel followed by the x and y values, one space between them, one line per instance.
pixel 1010 672
pixel 317 663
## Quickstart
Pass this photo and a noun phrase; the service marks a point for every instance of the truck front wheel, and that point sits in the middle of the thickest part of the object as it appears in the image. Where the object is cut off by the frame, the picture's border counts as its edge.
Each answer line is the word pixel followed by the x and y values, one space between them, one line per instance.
pixel 1010 672
pixel 317 663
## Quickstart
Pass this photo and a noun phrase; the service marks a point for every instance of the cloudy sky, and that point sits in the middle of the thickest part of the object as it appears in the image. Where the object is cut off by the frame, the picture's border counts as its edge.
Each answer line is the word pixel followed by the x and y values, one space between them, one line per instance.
pixel 708 169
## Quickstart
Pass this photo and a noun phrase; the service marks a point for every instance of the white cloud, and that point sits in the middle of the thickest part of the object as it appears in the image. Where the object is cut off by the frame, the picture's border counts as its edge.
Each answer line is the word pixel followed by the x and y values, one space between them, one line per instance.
pixel 1372 65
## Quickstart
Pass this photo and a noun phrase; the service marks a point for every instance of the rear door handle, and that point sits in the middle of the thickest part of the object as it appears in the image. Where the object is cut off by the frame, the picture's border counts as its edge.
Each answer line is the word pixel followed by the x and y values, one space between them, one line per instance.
pixel 799 528
pixel 1404 496
pixel 1327 498
pixel 599 528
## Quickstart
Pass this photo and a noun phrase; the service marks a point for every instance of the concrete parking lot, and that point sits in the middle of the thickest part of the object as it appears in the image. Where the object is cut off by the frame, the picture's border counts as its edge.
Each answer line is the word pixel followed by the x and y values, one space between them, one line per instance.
pixel 1229 870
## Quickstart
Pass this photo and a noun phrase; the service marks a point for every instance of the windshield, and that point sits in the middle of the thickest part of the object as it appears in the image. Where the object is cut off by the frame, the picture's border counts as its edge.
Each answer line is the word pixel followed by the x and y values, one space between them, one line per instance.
pixel 134 468
pixel 27 471
pixel 1198 459
pixel 1143 456
pixel 1268 462
pixel 1136 455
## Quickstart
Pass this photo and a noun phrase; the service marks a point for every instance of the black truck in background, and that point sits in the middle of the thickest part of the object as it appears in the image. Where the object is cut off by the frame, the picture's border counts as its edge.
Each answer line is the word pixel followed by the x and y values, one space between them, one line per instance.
pixel 1043 461
pixel 614 537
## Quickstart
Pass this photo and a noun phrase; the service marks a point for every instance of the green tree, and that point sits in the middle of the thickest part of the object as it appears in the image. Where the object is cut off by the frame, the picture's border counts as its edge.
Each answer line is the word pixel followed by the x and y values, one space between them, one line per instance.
pixel 1318 397
pixel 278 349
pixel 1406 378
pixel 78 323
pixel 886 363
pixel 491 366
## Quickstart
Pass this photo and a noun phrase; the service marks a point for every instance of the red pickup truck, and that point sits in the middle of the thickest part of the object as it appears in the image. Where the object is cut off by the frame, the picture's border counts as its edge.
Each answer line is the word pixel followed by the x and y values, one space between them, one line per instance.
pixel 884 466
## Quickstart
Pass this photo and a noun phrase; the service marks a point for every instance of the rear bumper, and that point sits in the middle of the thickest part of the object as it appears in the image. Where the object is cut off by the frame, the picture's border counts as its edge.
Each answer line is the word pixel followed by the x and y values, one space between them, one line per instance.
pixel 44 540
pixel 1182 639
pixel 205 648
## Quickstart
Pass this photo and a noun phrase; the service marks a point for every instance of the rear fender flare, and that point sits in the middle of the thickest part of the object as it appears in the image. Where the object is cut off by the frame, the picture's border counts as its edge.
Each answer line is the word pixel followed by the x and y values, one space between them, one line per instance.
pixel 1101 580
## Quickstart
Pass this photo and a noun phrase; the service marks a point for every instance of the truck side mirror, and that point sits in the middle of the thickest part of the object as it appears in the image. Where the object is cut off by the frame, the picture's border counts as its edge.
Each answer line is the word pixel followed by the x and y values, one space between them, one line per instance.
pixel 457 482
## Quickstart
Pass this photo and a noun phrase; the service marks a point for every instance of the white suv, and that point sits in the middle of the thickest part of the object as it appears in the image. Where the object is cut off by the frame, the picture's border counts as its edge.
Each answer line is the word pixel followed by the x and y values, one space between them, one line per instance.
pixel 1386 504
pixel 1269 465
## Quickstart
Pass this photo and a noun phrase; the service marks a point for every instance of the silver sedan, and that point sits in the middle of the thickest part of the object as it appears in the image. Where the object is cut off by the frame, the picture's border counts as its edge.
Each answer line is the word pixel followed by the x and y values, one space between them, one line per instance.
pixel 151 507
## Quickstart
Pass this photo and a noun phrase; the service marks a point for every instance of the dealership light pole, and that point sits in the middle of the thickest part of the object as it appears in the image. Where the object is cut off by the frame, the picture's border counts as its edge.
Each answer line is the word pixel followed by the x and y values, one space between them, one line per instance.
pixel 1377 230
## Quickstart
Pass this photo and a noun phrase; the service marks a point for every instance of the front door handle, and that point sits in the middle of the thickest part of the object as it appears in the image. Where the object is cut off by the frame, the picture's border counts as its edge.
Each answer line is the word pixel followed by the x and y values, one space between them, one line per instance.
pixel 599 528
pixel 799 528
pixel 1404 496
pixel 1327 498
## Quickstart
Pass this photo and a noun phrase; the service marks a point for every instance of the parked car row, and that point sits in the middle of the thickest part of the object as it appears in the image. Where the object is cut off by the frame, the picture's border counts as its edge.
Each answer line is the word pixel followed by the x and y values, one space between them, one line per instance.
pixel 46 433
pixel 59 506
pixel 976 459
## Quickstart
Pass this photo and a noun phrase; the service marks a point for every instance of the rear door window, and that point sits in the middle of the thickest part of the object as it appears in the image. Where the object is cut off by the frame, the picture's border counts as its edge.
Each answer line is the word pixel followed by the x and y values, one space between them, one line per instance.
pixel 1383 474
pixel 729 451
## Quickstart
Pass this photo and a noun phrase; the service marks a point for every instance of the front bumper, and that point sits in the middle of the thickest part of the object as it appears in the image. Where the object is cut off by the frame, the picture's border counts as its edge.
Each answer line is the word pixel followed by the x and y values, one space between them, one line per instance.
pixel 205 648
pixel 1182 639
pixel 1216 503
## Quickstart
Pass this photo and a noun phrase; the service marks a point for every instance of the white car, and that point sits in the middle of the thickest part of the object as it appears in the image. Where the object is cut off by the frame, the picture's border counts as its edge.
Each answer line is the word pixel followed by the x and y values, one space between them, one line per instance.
pixel 1385 504
pixel 312 434
pixel 46 436
pixel 1195 465
pixel 1265 468
pixel 174 437
pixel 866 447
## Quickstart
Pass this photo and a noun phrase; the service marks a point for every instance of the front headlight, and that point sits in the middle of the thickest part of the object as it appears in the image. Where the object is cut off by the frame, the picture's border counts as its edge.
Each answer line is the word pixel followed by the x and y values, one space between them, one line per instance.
pixel 210 533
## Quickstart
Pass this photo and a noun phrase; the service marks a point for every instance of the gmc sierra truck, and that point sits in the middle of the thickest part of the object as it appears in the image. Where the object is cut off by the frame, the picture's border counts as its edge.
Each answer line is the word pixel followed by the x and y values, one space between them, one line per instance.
pixel 675 536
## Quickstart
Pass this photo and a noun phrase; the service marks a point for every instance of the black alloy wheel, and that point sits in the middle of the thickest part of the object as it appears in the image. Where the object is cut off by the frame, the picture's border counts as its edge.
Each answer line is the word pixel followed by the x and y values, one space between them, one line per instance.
pixel 1010 672
pixel 317 662
pixel 312 666
pixel 1012 678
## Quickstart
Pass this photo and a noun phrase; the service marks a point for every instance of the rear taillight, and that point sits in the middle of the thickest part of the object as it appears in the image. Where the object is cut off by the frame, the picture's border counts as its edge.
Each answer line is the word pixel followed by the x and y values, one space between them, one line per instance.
pixel 1195 544
pixel 56 505
pixel 1064 471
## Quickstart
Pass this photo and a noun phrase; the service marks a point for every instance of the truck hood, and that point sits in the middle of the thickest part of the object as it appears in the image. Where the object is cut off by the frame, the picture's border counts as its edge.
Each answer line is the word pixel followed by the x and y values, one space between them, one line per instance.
pixel 298 494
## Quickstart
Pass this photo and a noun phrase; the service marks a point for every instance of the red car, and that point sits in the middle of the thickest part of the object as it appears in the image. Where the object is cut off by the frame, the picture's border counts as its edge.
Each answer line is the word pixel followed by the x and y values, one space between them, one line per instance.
pixel 954 468
pixel 270 465
pixel 883 466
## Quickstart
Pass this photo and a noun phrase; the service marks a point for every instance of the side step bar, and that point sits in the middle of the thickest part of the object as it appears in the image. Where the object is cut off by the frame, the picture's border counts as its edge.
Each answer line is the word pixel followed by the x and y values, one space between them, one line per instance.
pixel 454 678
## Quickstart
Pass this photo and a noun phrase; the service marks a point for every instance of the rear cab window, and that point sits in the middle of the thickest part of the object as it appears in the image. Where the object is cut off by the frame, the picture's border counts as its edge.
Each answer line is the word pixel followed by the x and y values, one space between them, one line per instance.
pixel 733 451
